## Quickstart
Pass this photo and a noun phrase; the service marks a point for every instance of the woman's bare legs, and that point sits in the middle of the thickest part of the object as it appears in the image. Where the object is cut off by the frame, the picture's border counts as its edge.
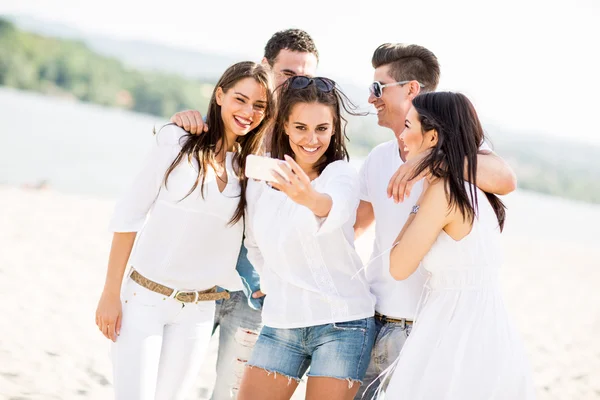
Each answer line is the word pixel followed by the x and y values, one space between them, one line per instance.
pixel 319 388
pixel 258 384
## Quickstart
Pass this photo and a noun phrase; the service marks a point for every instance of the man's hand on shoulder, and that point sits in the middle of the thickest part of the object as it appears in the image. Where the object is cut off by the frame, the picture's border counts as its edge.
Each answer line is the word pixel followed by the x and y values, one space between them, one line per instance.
pixel 191 121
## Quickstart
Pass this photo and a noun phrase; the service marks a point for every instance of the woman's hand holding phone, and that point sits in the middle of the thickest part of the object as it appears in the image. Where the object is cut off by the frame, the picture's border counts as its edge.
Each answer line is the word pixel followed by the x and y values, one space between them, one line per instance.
pixel 261 168
pixel 287 177
pixel 293 181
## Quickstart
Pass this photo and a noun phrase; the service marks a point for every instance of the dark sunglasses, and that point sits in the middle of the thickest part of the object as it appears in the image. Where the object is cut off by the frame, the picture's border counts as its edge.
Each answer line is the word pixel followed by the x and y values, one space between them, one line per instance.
pixel 377 88
pixel 302 82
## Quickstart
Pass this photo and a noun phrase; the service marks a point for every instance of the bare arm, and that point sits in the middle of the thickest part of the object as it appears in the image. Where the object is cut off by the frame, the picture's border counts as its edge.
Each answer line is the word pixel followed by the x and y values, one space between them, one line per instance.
pixel 365 216
pixel 320 205
pixel 494 175
pixel 120 251
pixel 109 311
pixel 420 232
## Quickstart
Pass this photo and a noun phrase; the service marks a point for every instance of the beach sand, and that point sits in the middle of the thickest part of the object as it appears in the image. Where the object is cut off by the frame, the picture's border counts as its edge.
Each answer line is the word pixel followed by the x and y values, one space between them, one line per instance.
pixel 53 256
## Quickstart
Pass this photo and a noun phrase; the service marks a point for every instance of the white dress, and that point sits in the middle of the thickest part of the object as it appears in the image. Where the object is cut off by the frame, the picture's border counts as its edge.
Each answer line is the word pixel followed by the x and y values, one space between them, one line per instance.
pixel 463 346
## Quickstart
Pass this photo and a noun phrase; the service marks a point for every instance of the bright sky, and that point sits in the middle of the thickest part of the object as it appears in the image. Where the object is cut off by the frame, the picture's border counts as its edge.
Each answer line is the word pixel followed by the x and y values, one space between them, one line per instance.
pixel 528 65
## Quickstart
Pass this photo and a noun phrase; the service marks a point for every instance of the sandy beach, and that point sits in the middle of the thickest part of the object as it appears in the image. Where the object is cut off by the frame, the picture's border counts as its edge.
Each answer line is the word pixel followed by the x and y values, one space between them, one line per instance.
pixel 53 256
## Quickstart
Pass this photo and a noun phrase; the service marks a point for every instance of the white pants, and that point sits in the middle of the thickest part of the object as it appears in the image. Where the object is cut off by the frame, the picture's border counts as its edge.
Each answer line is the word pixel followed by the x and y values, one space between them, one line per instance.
pixel 161 347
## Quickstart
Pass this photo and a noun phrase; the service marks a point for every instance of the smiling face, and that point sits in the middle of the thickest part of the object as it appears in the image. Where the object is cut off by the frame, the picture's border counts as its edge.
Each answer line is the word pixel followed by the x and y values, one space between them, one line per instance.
pixel 309 127
pixel 243 107
pixel 394 103
pixel 413 140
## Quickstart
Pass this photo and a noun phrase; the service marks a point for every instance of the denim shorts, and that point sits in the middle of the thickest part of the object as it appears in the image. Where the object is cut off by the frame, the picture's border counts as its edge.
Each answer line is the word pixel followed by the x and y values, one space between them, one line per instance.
pixel 339 350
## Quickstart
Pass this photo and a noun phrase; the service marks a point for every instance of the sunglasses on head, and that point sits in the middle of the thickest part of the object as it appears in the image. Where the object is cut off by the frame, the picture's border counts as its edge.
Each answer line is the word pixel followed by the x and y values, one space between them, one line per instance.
pixel 376 88
pixel 302 82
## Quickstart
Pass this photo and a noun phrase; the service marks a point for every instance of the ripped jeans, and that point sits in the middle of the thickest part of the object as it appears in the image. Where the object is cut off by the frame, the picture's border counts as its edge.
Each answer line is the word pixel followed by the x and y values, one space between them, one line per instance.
pixel 390 338
pixel 339 350
pixel 239 328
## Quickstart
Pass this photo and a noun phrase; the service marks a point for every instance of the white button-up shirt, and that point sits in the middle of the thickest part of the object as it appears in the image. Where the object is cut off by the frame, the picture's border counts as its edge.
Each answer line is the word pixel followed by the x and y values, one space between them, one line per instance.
pixel 308 266
pixel 183 242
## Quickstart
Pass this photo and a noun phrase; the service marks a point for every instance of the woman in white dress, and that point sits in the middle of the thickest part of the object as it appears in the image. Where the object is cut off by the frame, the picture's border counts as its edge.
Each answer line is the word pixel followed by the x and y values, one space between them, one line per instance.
pixel 462 346
pixel 185 211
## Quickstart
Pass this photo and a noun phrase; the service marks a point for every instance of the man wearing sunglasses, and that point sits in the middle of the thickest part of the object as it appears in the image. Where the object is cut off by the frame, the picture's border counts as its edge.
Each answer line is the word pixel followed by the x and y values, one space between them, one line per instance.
pixel 288 53
pixel 387 196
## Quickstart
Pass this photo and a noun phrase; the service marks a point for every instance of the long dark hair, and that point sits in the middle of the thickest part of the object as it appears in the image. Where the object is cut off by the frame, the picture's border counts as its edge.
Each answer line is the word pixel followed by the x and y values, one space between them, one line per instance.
pixel 288 97
pixel 460 135
pixel 204 147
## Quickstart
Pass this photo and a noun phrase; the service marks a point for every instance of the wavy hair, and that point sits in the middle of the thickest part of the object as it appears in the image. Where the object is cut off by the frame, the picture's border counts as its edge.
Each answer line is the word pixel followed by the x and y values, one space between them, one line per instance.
pixel 205 147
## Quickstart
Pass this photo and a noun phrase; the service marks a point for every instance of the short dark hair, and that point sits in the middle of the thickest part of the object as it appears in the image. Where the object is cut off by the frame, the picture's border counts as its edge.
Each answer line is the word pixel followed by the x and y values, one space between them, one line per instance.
pixel 409 62
pixel 289 39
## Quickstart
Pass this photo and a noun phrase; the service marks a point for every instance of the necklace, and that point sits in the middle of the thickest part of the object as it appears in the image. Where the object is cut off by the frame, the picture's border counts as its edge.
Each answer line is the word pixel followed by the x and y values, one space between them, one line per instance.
pixel 220 170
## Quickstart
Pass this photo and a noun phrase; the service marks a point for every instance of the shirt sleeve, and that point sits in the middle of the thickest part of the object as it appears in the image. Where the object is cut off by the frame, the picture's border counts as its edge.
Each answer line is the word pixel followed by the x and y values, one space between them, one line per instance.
pixel 253 193
pixel 343 188
pixel 133 206
pixel 363 182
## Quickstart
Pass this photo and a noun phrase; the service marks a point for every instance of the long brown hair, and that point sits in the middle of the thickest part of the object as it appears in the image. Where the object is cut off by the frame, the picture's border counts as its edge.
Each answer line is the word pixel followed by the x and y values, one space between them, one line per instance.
pixel 204 147
pixel 460 135
pixel 335 99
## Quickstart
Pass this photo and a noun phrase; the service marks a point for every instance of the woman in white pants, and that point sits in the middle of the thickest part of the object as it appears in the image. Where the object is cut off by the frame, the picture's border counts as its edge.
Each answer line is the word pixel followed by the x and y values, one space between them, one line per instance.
pixel 185 207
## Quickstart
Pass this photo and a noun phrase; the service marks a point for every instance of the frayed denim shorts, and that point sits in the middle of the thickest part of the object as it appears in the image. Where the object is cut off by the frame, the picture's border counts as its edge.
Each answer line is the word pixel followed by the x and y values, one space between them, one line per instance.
pixel 339 350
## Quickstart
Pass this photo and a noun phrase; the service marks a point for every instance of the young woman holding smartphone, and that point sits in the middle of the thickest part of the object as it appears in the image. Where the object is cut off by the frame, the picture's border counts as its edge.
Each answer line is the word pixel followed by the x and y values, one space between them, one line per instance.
pixel 318 311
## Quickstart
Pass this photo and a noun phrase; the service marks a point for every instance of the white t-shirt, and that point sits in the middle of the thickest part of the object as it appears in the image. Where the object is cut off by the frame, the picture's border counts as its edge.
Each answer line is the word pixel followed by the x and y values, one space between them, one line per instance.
pixel 183 244
pixel 308 265
pixel 397 299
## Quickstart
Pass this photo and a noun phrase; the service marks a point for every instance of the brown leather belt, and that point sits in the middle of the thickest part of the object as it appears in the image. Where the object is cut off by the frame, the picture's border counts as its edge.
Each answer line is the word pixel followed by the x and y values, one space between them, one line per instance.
pixel 184 296
pixel 385 318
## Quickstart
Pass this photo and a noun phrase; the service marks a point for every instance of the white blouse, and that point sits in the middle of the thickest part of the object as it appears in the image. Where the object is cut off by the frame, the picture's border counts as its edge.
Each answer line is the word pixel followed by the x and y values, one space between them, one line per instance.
pixel 183 244
pixel 308 265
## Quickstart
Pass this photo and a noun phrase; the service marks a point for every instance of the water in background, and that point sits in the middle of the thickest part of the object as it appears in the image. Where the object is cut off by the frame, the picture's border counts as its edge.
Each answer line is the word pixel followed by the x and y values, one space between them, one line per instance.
pixel 75 147
pixel 92 150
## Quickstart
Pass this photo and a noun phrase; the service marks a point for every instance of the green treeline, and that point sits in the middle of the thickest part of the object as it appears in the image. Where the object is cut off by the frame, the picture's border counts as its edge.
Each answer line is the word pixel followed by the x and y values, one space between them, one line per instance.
pixel 68 68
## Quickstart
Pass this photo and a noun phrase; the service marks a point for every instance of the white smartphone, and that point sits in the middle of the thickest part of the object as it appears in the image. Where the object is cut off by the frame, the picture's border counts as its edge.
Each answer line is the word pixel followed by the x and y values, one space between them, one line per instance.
pixel 258 167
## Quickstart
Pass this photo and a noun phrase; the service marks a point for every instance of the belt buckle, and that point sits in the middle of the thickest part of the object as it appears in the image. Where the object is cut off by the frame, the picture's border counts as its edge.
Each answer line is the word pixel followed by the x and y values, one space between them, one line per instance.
pixel 383 318
pixel 186 292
